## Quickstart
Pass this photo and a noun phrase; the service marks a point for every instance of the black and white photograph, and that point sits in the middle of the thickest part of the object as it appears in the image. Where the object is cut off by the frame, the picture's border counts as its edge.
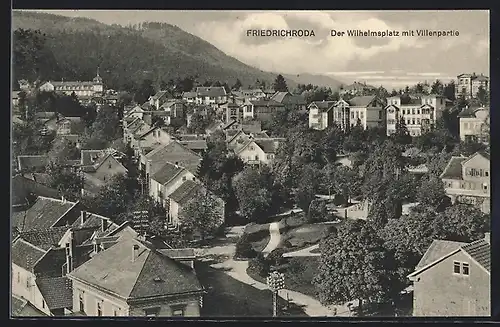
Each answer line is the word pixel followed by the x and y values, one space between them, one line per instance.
pixel 236 163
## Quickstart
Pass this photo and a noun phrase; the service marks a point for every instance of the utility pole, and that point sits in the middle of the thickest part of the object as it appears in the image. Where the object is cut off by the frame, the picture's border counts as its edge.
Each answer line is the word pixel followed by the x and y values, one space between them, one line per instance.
pixel 275 282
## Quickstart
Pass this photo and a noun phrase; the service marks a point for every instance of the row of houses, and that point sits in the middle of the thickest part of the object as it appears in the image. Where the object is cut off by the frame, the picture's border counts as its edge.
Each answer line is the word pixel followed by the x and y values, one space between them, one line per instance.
pixel 68 261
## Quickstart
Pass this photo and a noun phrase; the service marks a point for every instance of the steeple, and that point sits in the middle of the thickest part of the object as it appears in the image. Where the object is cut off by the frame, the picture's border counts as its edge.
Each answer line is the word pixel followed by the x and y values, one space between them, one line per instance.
pixel 98 78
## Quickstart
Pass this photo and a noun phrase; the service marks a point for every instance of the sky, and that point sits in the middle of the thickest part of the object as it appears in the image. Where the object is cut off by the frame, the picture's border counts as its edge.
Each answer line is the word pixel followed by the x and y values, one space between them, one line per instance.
pixel 390 61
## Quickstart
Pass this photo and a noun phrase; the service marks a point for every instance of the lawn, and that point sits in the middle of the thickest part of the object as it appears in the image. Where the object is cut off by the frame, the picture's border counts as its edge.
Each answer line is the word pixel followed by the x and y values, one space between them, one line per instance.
pixel 259 235
pixel 260 245
pixel 299 273
pixel 303 236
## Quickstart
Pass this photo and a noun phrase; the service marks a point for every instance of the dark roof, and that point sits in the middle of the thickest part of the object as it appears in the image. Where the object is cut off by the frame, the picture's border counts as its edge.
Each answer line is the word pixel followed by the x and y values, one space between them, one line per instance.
pixel 185 192
pixel 178 253
pixel 480 251
pixel 22 187
pixel 266 103
pixel 25 255
pixel 485 154
pixel 437 250
pixel 190 137
pixel 453 169
pixel 189 95
pixel 57 292
pixel 44 238
pixel 268 146
pixel 166 172
pixel 90 157
pixel 471 111
pixel 160 94
pixel 361 101
pixel 211 91
pixel 260 135
pixel 150 274
pixel 324 105
pixel 32 161
pixel 288 98
pixel 195 144
pixel 44 213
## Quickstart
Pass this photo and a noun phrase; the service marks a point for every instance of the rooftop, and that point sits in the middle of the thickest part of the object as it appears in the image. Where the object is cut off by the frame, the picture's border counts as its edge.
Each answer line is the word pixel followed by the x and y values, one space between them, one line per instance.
pixel 173 152
pixel 480 251
pixel 44 238
pixel 25 255
pixel 144 272
pixel 166 173
pixel 185 192
pixel 453 169
pixel 57 292
pixel 361 101
pixel 32 162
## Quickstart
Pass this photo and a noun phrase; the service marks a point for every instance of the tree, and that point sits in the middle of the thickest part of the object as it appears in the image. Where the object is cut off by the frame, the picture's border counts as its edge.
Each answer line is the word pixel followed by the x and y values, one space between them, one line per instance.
pixel 463 223
pixel 280 84
pixel 331 143
pixel 344 181
pixel 243 248
pixel 318 212
pixel 106 125
pixel 354 265
pixel 431 193
pixel 198 123
pixel 62 150
pixel 482 95
pixel 437 87
pixel 237 85
pixel 202 215
pixel 401 135
pixel 68 182
pixel 449 91
pixel 254 198
pixel 144 91
pixel 307 187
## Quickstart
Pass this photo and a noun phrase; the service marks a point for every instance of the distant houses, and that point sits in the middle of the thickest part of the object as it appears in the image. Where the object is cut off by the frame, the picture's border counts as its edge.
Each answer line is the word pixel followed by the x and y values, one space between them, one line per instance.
pixel 467 85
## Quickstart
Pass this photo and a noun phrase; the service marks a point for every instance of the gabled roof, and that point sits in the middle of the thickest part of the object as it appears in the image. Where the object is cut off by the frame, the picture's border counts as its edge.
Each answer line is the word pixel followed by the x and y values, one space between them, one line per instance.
pixel 266 103
pixel 23 308
pixel 44 213
pixel 453 169
pixel 57 292
pixel 324 105
pixel 260 135
pixel 25 255
pixel 211 91
pixel 174 152
pixel 279 96
pixel 483 154
pixel 149 274
pixel 166 173
pixel 160 94
pixel 23 187
pixel 268 146
pixel 471 111
pixel 480 251
pixel 361 101
pixel 437 250
pixel 195 144
pixel 32 161
pixel 185 192
pixel 44 238
pixel 189 95
pixel 288 98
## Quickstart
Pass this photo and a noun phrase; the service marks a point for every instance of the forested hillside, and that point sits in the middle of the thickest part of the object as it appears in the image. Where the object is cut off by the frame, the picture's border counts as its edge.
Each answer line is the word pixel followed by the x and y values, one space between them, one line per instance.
pixel 73 49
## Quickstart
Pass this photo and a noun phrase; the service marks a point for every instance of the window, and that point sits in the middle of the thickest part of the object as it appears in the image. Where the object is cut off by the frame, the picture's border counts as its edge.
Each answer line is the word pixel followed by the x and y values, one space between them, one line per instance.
pixel 28 282
pixel 465 269
pixel 418 111
pixel 413 111
pixel 379 115
pixel 178 310
pixel 486 173
pixel 413 121
pixel 251 147
pixel 81 302
pixel 248 109
pixel 456 267
pixel 43 304
pixel 183 178
pixel 485 186
pixel 18 277
pixel 99 308
pixel 151 312
pixel 256 157
pixel 109 165
pixel 418 120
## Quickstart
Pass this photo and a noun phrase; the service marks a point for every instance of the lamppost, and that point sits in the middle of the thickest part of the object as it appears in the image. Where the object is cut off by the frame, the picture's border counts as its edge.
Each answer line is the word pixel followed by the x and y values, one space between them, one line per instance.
pixel 275 282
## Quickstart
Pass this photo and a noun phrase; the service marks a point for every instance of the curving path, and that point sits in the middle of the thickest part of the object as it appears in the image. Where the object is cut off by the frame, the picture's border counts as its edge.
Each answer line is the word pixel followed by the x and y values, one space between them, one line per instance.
pixel 304 252
pixel 274 241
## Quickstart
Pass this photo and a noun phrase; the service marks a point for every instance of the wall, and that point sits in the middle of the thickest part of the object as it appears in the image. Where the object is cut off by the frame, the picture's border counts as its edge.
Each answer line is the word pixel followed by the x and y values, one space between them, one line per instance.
pixel 31 293
pixel 173 212
pixel 252 153
pixel 440 292
pixel 470 126
pixel 192 308
pixel 155 137
pixel 91 295
pixel 108 169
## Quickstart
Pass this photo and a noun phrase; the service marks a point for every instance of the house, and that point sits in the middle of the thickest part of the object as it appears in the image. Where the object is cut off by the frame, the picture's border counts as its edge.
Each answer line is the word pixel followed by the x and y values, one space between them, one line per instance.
pixel 166 180
pixel 46 213
pixel 189 97
pixel 133 135
pixel 269 92
pixel 150 283
pixel 175 108
pixel 203 110
pixel 153 138
pixel 467 180
pixel 32 163
pixel 82 89
pixel 474 124
pixel 259 151
pixel 233 112
pixel 292 102
pixel 453 279
pixel 188 191
pixel 321 114
pixel 172 152
pixel 250 94
pixel 420 114
pixel 100 169
pixel 24 85
pixel 367 109
pixel 198 146
pixel 262 110
pixel 211 95
pixel 25 190
pixel 159 99
pixel 15 98
pixel 357 89
pixel 467 85
pixel 65 125
pixel 135 112
pixel 214 126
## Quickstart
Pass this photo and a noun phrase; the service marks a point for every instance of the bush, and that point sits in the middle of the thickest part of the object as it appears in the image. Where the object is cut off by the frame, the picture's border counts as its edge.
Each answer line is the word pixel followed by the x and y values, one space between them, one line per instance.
pixel 244 248
pixel 275 257
pixel 286 244
pixel 259 265
pixel 318 212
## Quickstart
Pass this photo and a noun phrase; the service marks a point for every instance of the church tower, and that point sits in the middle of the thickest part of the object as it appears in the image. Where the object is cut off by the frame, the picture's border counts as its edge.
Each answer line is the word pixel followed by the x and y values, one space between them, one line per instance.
pixel 98 85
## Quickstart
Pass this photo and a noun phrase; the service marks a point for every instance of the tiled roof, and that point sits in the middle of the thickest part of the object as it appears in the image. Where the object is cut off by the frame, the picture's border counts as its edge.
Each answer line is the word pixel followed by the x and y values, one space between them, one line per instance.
pixel 361 101
pixel 279 96
pixel 166 172
pixel 485 154
pixel 195 145
pixel 44 238
pixel 211 91
pixel 178 253
pixel 32 162
pixel 189 95
pixel 480 251
pixel 57 292
pixel 481 78
pixel 185 192
pixel 453 169
pixel 160 94
pixel 438 249
pixel 23 308
pixel 25 255
pixel 252 127
pixel 90 157
pixel 190 137
pixel 268 146
pixel 324 105
pixel 260 135
pixel 150 274
pixel 44 213
pixel 173 152
pixel 22 187
pixel 266 103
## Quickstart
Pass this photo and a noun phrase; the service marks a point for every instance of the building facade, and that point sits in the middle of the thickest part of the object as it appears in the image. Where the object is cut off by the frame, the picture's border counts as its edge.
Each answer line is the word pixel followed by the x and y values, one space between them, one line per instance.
pixel 467 180
pixel 321 114
pixel 82 89
pixel 474 124
pixel 467 85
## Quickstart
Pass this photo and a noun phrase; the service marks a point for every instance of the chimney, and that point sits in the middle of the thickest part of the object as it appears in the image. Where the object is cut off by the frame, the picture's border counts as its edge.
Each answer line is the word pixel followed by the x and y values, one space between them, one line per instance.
pixel 135 252
pixel 104 224
pixel 83 217
pixel 487 237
